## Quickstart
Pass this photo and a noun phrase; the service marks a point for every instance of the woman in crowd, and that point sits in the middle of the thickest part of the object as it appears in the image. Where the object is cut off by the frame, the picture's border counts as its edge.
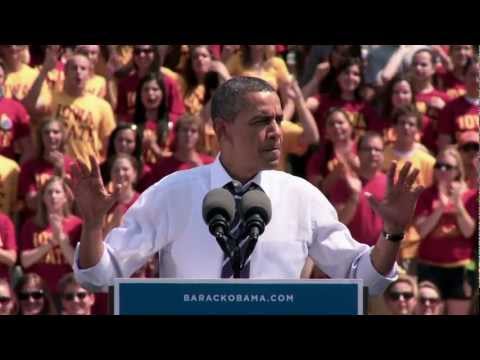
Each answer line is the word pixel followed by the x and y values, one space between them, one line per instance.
pixel 445 220
pixel 34 296
pixel 48 239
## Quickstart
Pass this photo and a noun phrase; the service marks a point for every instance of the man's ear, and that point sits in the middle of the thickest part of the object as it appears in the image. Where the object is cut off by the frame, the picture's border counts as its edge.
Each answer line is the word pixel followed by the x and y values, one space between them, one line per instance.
pixel 221 129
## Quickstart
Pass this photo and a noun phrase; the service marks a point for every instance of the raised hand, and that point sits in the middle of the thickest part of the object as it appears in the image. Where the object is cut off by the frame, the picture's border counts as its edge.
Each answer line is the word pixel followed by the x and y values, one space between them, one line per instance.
pixel 322 70
pixel 57 159
pixel 220 69
pixel 92 199
pixel 436 103
pixel 52 54
pixel 456 190
pixel 293 90
pixel 398 206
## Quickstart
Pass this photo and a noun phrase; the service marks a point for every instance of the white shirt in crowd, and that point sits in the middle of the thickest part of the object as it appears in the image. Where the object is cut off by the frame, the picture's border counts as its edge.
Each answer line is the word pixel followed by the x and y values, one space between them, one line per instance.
pixel 167 218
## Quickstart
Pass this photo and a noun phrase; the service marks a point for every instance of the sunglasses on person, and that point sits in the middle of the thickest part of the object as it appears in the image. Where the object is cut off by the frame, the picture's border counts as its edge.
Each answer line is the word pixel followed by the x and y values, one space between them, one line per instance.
pixel 143 51
pixel 470 147
pixel 35 295
pixel 395 296
pixel 444 166
pixel 81 295
pixel 5 299
pixel 433 301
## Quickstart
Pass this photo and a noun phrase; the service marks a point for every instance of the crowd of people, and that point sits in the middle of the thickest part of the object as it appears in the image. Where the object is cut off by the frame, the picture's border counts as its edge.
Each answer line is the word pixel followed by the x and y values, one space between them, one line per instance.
pixel 143 112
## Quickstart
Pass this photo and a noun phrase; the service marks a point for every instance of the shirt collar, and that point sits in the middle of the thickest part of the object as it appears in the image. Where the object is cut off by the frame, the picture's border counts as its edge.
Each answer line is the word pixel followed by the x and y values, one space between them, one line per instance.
pixel 219 177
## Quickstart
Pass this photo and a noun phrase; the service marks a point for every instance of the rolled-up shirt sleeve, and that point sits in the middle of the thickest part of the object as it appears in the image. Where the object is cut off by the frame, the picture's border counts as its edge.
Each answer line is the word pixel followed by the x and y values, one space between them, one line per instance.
pixel 340 256
pixel 129 246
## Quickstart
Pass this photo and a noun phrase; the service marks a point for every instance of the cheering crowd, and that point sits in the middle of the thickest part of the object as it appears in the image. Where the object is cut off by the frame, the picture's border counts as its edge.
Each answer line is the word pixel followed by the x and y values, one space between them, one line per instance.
pixel 143 111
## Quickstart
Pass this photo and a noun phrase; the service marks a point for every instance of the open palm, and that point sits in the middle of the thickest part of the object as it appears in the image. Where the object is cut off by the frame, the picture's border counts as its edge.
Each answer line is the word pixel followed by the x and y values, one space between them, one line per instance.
pixel 398 206
pixel 92 198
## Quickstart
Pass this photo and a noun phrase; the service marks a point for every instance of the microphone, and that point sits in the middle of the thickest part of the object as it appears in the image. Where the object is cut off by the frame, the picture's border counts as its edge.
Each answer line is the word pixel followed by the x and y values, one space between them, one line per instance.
pixel 256 210
pixel 218 210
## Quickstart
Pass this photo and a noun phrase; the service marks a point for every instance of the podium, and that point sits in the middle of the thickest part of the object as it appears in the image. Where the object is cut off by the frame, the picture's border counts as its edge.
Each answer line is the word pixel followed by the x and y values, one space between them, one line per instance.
pixel 187 297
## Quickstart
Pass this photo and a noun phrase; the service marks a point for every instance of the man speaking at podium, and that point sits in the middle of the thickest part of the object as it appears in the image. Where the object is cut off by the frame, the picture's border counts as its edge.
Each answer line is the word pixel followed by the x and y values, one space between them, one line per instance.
pixel 167 218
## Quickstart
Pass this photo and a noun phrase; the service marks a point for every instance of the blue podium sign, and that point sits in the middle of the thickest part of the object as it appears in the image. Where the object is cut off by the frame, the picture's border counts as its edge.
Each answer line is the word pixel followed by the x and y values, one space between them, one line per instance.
pixel 238 297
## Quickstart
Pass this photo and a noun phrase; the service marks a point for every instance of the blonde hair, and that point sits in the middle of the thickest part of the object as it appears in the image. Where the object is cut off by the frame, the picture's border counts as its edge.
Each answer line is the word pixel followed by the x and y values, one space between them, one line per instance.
pixel 41 217
pixel 43 125
pixel 452 151
pixel 430 285
pixel 4 282
pixel 405 279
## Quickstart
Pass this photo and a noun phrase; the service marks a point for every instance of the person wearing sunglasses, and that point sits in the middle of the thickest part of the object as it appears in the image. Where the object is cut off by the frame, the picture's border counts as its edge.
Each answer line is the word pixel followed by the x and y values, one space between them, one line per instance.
pixel 446 222
pixel 146 59
pixel 429 300
pixel 75 299
pixel 462 114
pixel 33 296
pixel 8 300
pixel 400 296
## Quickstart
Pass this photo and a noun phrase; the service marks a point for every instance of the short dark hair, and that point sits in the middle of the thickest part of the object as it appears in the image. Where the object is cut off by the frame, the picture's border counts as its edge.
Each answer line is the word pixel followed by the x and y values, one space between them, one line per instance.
pixel 408 110
pixel 367 136
pixel 229 98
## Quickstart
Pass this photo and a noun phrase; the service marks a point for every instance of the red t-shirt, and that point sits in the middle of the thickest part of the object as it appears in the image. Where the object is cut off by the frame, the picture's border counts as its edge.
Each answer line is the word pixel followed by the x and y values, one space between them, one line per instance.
pixel 36 172
pixel 14 125
pixel 169 165
pixel 451 85
pixel 323 161
pixel 362 115
pixel 445 244
pixel 127 90
pixel 366 225
pixel 459 116
pixel 430 131
pixel 7 240
pixel 123 207
pixel 54 265
pixel 150 131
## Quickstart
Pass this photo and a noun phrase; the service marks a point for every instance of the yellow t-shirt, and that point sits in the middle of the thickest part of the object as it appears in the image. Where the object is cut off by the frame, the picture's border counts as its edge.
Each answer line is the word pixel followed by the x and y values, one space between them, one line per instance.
pixel 274 70
pixel 193 101
pixel 420 160
pixel 88 120
pixel 170 73
pixel 18 83
pixel 424 162
pixel 96 85
pixel 9 171
pixel 291 142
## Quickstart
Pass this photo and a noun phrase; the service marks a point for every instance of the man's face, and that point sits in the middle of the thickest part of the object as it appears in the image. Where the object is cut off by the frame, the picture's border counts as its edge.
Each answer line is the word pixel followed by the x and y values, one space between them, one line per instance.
pixel 77 72
pixel 252 141
pixel 371 153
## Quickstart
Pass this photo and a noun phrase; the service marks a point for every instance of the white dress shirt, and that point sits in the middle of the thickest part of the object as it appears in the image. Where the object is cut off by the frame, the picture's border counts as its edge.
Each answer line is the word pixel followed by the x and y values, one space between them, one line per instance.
pixel 167 218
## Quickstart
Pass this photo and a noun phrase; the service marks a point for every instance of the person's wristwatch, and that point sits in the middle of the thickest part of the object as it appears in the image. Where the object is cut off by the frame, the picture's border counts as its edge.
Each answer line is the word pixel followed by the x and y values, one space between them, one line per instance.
pixel 394 237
